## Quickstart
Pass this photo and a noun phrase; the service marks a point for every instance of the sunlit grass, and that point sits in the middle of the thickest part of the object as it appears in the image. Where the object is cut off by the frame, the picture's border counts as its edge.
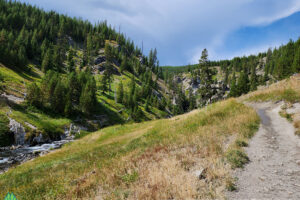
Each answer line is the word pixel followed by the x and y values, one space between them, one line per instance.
pixel 286 90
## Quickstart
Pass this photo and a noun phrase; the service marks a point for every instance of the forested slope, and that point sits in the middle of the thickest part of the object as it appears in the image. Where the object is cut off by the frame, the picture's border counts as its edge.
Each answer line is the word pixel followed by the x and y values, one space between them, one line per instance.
pixel 68 68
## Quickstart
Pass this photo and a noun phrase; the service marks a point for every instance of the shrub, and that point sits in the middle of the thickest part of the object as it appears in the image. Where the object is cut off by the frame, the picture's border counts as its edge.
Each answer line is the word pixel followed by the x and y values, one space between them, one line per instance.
pixel 241 143
pixel 237 158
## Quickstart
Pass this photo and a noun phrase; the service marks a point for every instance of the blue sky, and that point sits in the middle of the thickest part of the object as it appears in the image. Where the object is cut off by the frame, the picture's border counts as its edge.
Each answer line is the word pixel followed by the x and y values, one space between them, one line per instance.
pixel 180 29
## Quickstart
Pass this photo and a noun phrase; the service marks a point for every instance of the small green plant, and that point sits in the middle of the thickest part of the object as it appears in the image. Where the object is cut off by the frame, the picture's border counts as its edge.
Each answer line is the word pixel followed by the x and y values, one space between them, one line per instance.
pixel 241 143
pixel 230 185
pixel 130 177
pixel 237 158
pixel 284 114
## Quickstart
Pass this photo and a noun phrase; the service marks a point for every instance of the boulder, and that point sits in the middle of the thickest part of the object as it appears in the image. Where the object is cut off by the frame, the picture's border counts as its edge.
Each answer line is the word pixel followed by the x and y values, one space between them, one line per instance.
pixel 201 173
pixel 18 130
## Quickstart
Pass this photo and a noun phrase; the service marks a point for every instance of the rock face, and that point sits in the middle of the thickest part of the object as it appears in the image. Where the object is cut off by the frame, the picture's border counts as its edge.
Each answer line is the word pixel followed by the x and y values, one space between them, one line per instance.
pixel 220 90
pixel 68 134
pixel 100 59
pixel 18 130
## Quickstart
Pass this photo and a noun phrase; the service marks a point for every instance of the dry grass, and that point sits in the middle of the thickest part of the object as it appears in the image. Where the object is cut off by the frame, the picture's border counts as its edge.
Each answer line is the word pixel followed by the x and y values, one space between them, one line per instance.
pixel 151 160
pixel 297 126
pixel 287 90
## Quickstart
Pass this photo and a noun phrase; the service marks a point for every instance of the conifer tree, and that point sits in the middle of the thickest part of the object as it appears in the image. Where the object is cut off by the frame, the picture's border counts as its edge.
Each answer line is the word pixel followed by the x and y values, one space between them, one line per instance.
pixel 68 111
pixel 124 65
pixel 120 93
pixel 58 100
pixel 33 95
pixel 296 62
pixel 46 61
pixel 233 87
pixel 147 104
pixel 253 79
pixel 243 84
pixel 205 77
pixel 192 100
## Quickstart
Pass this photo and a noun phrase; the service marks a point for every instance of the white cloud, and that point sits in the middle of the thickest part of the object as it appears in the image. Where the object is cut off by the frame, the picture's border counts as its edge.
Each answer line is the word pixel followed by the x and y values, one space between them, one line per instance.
pixel 178 26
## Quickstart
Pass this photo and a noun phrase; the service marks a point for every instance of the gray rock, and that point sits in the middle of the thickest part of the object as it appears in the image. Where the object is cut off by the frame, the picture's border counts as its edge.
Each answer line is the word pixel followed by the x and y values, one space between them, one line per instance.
pixel 201 174
pixel 18 130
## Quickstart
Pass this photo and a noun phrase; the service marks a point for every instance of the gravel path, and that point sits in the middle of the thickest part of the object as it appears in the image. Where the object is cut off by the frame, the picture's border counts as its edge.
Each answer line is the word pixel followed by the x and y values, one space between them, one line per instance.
pixel 274 152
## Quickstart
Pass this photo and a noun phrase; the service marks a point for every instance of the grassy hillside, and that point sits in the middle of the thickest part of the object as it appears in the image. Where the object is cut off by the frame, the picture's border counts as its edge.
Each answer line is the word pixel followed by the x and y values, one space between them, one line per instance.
pixel 156 159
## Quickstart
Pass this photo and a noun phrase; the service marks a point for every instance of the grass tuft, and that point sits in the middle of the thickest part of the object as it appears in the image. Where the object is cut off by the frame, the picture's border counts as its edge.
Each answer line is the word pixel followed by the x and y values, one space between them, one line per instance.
pixel 241 143
pixel 237 158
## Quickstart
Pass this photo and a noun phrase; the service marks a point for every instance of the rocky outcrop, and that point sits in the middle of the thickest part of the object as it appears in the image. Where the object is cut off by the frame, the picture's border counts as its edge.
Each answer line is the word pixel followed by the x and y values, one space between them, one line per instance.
pixel 100 59
pixel 220 90
pixel 18 130
pixel 12 98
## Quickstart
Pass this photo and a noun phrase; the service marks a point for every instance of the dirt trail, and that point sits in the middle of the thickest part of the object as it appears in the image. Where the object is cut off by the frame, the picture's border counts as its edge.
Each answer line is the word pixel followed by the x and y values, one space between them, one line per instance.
pixel 274 152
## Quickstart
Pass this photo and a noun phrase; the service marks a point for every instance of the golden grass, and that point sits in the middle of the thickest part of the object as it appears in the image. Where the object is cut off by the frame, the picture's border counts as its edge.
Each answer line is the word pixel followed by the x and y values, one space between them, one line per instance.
pixel 287 90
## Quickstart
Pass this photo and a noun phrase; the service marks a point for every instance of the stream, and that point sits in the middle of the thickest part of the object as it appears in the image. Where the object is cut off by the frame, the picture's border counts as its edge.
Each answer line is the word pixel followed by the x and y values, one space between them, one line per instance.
pixel 13 156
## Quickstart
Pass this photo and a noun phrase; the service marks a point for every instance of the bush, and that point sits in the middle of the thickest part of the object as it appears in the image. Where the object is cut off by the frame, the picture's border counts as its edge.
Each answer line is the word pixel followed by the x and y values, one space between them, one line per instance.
pixel 241 143
pixel 237 158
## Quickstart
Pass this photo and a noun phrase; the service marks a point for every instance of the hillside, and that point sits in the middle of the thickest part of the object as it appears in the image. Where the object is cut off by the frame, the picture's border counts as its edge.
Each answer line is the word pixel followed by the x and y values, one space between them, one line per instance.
pixel 210 81
pixel 70 73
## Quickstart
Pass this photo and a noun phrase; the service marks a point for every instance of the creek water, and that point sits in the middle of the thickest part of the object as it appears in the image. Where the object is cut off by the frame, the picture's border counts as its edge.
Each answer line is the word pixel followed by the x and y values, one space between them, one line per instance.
pixel 13 156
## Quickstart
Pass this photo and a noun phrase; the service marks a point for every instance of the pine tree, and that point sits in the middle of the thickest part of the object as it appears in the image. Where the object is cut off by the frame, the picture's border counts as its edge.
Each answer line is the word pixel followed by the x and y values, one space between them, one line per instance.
pixel 46 61
pixel 253 79
pixel 120 93
pixel 243 84
pixel 233 87
pixel 33 96
pixel 68 111
pixel 192 100
pixel 124 65
pixel 147 104
pixel 87 100
pixel 206 78
pixel 296 62
pixel 58 100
